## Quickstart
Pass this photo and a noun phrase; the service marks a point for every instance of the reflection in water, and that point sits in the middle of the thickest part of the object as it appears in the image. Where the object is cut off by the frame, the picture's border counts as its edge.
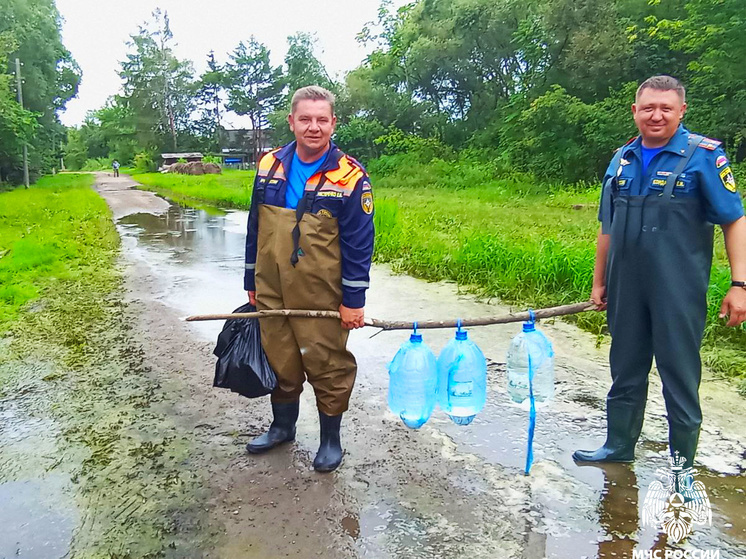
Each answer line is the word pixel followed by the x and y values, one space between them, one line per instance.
pixel 618 511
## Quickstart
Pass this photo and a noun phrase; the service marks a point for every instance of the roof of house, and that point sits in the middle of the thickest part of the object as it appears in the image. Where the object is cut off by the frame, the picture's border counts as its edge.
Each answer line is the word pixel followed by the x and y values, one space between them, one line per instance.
pixel 181 155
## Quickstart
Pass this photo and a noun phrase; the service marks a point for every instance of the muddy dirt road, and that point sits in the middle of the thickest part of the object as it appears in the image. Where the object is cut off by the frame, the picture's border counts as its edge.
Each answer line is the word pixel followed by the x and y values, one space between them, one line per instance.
pixel 443 491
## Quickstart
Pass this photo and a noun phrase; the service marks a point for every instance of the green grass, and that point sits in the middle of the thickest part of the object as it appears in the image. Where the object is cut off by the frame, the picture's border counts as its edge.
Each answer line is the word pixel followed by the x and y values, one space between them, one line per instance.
pixel 58 230
pixel 231 189
pixel 525 242
pixel 68 353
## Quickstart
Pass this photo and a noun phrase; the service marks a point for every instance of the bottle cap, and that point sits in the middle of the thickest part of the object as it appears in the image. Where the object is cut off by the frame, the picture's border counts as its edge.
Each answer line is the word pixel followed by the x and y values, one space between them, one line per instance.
pixel 460 333
pixel 415 337
pixel 529 326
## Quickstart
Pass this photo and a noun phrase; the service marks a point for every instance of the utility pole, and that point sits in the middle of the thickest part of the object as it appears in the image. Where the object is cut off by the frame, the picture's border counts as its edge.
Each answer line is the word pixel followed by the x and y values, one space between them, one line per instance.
pixel 20 102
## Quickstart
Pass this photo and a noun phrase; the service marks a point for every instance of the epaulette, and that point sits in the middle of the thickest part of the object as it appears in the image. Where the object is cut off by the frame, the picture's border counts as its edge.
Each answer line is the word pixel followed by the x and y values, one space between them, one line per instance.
pixel 710 143
pixel 265 163
pixel 348 169
pixel 355 162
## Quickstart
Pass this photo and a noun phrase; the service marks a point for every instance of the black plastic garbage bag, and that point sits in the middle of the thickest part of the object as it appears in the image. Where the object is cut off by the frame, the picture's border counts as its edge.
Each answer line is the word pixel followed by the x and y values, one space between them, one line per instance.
pixel 242 364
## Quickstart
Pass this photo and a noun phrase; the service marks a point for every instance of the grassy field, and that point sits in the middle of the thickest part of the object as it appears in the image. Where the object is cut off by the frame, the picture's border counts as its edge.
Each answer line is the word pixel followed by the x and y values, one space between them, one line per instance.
pixel 524 242
pixel 231 189
pixel 59 230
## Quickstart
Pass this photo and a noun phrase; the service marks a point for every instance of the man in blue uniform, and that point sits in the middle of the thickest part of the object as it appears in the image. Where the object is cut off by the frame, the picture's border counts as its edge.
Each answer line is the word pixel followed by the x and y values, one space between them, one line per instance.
pixel 309 246
pixel 663 191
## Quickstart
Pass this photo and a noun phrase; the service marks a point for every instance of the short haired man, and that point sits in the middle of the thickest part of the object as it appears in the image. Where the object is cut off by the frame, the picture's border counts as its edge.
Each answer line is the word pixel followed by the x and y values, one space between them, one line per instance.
pixel 662 193
pixel 309 246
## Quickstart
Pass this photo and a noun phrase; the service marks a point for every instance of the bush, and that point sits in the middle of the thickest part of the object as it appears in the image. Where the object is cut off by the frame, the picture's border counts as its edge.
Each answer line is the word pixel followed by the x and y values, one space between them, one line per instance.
pixel 144 163
pixel 212 159
pixel 97 164
pixel 424 150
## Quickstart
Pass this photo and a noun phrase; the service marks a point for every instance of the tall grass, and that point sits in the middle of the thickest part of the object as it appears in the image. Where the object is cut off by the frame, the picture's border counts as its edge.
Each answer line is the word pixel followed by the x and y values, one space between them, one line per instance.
pixel 231 189
pixel 58 230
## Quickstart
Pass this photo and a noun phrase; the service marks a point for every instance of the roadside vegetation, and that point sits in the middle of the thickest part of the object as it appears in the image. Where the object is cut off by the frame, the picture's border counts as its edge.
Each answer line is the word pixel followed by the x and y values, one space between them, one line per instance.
pixel 66 354
pixel 522 240
pixel 231 189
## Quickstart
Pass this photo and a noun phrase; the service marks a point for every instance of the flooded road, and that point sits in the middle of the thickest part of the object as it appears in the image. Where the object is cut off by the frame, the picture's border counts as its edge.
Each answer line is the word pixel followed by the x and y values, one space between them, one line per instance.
pixel 442 491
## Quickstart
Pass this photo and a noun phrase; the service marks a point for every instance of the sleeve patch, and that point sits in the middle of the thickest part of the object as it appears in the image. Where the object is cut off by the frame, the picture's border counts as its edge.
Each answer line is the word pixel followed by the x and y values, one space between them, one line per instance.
pixel 721 161
pixel 729 181
pixel 366 201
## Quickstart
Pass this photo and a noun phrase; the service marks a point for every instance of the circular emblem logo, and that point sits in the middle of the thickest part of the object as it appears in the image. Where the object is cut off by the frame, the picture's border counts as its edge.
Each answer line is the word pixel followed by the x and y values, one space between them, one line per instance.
pixel 325 213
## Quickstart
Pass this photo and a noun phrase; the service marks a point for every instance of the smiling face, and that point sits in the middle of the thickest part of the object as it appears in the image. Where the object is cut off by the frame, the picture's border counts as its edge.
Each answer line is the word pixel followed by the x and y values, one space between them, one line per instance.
pixel 657 115
pixel 313 123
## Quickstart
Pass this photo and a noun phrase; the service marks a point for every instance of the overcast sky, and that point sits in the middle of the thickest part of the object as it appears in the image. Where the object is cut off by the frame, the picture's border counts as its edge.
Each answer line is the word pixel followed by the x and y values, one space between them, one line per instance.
pixel 96 32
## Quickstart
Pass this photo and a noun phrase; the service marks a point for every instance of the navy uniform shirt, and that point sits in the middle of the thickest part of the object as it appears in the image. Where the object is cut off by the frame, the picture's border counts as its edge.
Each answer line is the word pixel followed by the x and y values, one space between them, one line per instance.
pixel 708 175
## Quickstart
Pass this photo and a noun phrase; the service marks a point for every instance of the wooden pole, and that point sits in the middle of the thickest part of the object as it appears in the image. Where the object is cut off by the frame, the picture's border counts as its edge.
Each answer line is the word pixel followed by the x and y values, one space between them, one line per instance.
pixel 20 102
pixel 563 310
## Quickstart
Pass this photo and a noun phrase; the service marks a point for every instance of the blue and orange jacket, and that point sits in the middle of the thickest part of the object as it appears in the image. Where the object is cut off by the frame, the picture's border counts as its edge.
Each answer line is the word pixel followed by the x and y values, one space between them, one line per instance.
pixel 345 194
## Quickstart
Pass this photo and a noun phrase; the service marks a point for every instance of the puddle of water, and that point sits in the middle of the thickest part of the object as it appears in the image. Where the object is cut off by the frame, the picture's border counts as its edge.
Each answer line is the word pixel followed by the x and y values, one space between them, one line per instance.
pixel 37 512
pixel 37 518
pixel 198 257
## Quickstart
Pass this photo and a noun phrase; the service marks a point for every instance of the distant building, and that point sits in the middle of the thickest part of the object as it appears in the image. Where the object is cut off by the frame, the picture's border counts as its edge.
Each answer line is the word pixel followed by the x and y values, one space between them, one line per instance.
pixel 237 147
pixel 171 158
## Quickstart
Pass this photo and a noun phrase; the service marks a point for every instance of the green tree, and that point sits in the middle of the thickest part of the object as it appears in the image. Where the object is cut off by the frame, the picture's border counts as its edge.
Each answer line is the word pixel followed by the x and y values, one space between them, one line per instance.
pixel 209 88
pixel 254 87
pixel 303 67
pixel 16 124
pixel 32 33
pixel 76 151
pixel 711 35
pixel 157 86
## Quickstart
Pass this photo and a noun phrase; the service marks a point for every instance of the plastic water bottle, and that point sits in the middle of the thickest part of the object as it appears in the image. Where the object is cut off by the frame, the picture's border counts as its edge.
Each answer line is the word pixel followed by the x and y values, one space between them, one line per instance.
pixel 530 350
pixel 462 379
pixel 413 382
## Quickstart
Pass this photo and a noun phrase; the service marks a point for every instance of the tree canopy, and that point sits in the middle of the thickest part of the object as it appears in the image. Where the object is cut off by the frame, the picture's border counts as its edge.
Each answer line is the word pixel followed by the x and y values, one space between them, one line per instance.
pixel 536 86
pixel 30 31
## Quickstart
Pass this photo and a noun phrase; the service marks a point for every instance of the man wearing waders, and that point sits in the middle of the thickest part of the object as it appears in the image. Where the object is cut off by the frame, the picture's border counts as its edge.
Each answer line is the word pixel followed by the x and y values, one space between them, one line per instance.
pixel 663 191
pixel 309 246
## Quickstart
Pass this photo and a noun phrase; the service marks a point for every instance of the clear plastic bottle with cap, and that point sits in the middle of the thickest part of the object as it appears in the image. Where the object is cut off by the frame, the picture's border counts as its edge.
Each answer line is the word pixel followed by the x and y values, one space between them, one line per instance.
pixel 413 382
pixel 530 353
pixel 462 379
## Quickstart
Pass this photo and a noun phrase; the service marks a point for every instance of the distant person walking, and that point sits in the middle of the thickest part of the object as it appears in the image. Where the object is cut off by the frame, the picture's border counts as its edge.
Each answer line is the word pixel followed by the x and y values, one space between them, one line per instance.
pixel 115 166
pixel 662 192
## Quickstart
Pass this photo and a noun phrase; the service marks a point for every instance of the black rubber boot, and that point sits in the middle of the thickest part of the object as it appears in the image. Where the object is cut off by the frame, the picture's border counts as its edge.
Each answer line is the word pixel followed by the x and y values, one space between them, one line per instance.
pixel 282 429
pixel 624 425
pixel 684 441
pixel 329 455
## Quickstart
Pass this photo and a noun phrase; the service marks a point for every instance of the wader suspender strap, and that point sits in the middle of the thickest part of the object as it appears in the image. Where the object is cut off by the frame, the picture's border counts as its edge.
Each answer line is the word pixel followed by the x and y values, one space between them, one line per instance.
pixel 271 175
pixel 299 211
pixel 606 196
pixel 691 147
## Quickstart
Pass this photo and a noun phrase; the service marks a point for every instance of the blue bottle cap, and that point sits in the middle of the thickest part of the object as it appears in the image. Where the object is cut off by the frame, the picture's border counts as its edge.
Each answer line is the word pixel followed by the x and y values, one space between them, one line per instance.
pixel 415 337
pixel 460 333
pixel 528 326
